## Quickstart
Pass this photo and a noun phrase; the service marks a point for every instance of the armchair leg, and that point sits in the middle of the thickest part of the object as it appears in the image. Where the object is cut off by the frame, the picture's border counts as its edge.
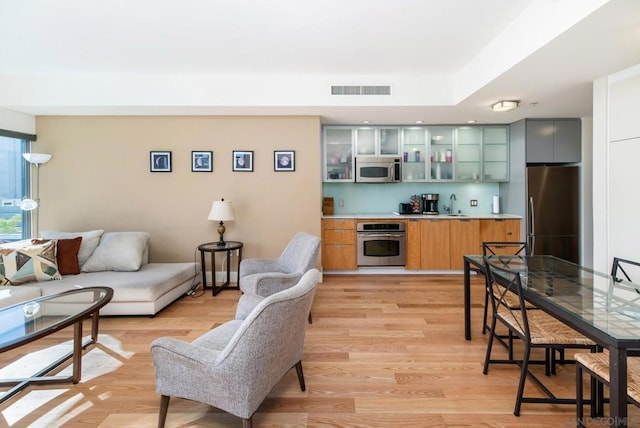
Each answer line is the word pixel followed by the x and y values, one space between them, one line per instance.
pixel 247 423
pixel 164 407
pixel 310 319
pixel 300 375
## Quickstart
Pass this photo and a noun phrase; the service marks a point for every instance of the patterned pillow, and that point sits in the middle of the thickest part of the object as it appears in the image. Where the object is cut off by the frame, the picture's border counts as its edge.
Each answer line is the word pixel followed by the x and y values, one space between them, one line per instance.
pixel 28 263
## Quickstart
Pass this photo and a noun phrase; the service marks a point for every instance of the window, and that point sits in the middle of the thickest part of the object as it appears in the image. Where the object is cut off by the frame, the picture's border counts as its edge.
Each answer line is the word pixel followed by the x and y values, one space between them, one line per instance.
pixel 14 179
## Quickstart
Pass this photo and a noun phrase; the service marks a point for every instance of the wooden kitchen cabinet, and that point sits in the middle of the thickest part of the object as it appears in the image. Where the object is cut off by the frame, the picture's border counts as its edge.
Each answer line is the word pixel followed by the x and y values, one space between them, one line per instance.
pixel 413 244
pixel 339 244
pixel 499 229
pixel 435 244
pixel 465 239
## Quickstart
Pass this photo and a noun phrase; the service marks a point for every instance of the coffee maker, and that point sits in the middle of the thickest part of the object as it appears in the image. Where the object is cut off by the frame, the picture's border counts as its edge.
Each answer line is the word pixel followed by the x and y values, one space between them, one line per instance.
pixel 430 203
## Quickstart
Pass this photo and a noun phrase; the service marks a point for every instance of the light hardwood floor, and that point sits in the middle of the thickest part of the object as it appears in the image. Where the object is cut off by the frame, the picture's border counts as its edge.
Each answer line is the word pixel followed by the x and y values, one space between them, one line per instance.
pixel 383 351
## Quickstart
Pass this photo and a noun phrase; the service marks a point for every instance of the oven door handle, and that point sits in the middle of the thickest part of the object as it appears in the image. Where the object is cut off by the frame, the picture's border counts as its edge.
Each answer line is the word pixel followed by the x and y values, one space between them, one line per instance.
pixel 382 235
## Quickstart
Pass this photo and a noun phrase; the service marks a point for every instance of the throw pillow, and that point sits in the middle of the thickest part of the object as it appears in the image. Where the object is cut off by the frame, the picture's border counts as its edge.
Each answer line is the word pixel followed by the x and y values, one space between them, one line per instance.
pixel 90 241
pixel 67 256
pixel 118 251
pixel 32 262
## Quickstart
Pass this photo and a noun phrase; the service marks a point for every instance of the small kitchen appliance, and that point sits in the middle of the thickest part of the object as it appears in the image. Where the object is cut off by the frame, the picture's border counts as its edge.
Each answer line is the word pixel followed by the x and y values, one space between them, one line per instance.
pixel 430 203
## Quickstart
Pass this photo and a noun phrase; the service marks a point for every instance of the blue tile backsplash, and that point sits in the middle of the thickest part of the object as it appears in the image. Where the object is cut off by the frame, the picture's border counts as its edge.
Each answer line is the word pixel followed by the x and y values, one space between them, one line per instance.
pixel 369 198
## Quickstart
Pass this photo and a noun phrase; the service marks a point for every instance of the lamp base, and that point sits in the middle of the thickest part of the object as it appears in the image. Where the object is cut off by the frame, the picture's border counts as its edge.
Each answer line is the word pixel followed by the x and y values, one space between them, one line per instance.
pixel 221 230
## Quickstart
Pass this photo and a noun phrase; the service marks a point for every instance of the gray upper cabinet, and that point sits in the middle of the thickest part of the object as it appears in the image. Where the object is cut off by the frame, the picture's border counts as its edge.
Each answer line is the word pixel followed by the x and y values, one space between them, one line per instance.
pixel 553 140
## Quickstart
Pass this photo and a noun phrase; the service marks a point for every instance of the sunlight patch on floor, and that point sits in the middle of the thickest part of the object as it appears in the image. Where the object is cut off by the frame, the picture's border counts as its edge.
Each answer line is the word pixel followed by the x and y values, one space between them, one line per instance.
pixel 100 359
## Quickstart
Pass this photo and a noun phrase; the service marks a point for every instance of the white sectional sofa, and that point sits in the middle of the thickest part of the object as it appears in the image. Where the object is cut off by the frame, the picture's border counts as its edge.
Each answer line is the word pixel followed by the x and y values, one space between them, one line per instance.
pixel 114 259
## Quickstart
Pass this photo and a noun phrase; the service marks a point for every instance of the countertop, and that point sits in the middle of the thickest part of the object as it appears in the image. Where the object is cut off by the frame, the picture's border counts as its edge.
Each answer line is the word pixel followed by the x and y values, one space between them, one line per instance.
pixel 387 216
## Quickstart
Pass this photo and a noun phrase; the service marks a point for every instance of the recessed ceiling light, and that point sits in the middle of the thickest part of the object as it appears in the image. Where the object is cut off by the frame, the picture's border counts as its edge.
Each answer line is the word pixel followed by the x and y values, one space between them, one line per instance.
pixel 366 122
pixel 504 105
pixel 419 122
pixel 471 121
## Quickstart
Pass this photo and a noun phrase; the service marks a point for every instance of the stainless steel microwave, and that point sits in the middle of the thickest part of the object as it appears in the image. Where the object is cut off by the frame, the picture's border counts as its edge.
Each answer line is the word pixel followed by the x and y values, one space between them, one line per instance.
pixel 378 169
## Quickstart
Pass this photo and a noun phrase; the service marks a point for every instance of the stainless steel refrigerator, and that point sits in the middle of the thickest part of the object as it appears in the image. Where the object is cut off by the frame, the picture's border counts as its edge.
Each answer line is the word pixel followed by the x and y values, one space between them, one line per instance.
pixel 553 211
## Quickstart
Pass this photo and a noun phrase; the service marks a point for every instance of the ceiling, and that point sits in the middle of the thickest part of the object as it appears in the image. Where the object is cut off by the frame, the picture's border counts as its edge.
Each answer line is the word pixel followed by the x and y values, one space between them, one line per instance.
pixel 445 61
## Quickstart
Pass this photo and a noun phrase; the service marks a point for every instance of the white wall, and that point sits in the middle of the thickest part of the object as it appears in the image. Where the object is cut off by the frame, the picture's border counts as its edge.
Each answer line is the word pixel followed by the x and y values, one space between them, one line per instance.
pixel 616 174
pixel 19 122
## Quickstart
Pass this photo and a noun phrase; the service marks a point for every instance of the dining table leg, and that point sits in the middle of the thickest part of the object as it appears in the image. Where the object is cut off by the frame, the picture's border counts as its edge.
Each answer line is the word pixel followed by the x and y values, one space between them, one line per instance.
pixel 618 387
pixel 467 300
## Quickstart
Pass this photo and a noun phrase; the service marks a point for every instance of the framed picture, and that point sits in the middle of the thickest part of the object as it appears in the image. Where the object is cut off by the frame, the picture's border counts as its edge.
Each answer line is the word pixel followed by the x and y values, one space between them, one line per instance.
pixel 284 160
pixel 242 161
pixel 160 161
pixel 201 161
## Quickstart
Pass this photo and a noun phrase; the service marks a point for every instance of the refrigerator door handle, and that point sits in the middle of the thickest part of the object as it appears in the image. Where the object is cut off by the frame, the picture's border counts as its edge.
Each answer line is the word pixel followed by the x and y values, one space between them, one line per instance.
pixel 532 227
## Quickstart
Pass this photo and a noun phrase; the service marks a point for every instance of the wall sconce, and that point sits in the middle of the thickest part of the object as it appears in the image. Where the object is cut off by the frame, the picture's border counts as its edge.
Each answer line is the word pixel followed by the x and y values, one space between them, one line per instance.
pixel 505 105
pixel 221 211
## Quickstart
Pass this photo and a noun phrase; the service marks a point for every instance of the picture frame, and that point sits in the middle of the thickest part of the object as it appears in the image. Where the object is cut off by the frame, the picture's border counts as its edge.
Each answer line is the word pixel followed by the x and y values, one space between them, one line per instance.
pixel 242 160
pixel 201 161
pixel 284 160
pixel 160 161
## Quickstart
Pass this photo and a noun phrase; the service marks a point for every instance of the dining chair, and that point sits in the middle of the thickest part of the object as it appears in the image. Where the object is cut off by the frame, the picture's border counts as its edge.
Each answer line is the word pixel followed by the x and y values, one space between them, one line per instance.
pixel 618 268
pixel 493 248
pixel 597 366
pixel 536 329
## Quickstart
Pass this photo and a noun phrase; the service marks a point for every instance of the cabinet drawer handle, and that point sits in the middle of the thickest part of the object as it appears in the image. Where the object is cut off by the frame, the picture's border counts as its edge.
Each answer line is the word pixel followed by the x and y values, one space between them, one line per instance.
pixel 509 233
pixel 499 219
pixel 465 219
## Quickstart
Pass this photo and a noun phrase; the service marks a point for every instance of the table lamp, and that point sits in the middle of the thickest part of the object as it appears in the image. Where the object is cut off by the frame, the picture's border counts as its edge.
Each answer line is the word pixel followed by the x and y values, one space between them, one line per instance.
pixel 221 211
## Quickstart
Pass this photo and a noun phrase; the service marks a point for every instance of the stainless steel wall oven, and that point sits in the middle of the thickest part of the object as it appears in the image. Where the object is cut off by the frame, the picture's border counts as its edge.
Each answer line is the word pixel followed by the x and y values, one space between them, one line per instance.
pixel 381 244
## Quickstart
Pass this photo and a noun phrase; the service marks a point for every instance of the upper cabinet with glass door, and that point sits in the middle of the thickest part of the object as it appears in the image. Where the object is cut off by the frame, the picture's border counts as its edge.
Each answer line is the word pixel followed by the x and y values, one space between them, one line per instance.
pixel 441 153
pixel 495 153
pixel 338 154
pixel 414 149
pixel 467 156
pixel 377 141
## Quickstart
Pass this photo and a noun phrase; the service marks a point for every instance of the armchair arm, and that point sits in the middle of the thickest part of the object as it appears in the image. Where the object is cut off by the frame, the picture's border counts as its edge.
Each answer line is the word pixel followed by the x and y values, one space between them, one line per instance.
pixel 266 284
pixel 252 266
pixel 165 349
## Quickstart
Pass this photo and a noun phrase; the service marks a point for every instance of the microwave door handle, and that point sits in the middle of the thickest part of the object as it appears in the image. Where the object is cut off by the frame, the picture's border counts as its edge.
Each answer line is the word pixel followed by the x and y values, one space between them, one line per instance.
pixel 392 172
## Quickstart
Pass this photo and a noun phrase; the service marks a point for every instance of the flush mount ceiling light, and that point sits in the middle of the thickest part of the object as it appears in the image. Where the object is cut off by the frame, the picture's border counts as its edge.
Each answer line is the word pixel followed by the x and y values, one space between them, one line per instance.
pixel 505 105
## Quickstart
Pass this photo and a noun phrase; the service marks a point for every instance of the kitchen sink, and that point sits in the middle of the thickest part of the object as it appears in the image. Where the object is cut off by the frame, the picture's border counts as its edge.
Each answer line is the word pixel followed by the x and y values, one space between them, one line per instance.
pixel 455 215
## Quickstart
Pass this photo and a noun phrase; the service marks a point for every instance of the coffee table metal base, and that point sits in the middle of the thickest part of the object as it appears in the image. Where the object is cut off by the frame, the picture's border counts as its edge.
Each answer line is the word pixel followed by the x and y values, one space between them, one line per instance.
pixel 41 378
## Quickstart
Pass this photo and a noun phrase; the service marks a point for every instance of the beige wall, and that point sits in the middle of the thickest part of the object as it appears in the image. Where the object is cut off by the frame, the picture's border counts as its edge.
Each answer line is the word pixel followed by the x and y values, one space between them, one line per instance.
pixel 99 178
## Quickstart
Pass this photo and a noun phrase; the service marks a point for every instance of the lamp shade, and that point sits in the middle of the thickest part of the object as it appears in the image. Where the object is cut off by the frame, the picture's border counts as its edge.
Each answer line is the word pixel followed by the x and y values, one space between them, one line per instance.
pixel 221 211
pixel 37 158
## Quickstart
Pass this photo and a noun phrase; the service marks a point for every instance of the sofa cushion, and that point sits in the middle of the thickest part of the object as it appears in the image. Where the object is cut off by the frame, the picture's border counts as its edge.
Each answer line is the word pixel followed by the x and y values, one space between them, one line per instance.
pixel 118 251
pixel 12 295
pixel 28 263
pixel 90 241
pixel 148 284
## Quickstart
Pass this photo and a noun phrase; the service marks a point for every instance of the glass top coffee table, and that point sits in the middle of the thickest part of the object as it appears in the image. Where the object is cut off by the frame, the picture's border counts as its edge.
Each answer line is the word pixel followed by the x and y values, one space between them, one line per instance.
pixel 32 320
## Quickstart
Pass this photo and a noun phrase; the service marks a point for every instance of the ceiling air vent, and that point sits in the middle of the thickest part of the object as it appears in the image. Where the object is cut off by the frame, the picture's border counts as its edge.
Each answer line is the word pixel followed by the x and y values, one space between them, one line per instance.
pixel 360 90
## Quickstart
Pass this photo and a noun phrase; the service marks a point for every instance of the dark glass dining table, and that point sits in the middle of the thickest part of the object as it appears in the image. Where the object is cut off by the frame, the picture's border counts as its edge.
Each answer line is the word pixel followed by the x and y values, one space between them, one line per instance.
pixel 593 303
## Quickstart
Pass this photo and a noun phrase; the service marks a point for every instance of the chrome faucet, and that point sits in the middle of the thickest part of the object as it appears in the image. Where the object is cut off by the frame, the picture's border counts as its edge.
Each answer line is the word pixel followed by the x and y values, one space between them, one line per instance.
pixel 452 198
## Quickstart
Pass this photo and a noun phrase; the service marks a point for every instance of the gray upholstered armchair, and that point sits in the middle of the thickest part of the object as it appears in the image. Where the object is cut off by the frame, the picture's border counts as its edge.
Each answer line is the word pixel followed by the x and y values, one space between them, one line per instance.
pixel 267 276
pixel 234 366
